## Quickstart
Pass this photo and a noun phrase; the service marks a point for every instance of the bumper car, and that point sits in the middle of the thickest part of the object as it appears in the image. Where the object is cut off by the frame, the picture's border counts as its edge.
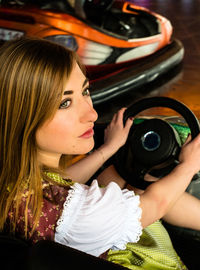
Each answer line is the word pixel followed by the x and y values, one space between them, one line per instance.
pixel 123 46
pixel 152 147
pixel 156 143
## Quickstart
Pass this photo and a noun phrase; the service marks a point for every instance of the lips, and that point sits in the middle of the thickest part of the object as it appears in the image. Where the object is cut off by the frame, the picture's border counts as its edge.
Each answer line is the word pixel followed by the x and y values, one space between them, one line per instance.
pixel 89 133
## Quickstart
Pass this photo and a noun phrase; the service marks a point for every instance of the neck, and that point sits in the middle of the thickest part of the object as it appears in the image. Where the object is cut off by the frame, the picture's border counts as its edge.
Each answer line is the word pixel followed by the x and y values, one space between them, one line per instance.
pixel 49 159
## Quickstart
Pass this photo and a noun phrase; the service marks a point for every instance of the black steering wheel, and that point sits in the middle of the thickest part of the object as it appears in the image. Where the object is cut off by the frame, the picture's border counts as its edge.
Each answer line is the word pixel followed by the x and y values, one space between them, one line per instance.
pixel 153 145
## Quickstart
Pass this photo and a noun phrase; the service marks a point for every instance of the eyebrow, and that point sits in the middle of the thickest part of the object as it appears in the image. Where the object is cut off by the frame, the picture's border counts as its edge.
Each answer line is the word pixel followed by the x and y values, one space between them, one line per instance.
pixel 69 92
pixel 85 82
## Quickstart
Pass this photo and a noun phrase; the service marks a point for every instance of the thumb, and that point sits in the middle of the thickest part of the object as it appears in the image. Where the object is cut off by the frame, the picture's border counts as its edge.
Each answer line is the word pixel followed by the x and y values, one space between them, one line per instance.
pixel 188 139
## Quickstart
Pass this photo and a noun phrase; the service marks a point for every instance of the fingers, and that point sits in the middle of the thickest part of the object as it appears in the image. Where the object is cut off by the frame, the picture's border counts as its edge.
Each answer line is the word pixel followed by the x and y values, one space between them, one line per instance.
pixel 128 123
pixel 116 132
pixel 114 118
pixel 188 139
pixel 195 141
pixel 190 153
pixel 118 117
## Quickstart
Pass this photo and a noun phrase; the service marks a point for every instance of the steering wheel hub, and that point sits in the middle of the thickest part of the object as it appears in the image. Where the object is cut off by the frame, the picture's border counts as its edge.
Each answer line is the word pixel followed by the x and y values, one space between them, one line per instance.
pixel 153 142
pixel 150 141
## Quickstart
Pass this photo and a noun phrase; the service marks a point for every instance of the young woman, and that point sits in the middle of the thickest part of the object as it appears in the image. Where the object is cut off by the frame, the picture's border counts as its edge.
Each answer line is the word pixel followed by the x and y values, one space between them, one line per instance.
pixel 46 116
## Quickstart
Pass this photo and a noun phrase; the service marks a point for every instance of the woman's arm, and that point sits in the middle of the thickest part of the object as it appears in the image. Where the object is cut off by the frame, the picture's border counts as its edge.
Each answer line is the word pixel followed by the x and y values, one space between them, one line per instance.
pixel 185 212
pixel 166 197
pixel 115 136
pixel 160 196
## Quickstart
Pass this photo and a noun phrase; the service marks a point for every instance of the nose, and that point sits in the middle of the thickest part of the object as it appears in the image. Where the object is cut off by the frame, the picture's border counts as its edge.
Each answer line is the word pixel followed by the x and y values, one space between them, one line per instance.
pixel 88 113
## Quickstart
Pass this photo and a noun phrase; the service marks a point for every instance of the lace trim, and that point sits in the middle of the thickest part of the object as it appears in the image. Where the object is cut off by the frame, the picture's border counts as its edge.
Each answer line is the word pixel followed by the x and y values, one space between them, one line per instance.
pixel 132 227
pixel 70 208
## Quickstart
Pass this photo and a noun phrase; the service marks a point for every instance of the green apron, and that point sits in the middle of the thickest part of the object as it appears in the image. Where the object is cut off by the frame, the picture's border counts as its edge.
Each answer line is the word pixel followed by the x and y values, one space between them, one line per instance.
pixel 154 251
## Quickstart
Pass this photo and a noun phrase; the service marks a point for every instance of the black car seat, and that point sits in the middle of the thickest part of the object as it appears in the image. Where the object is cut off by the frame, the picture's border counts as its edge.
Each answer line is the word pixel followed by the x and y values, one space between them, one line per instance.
pixel 46 255
pixel 13 252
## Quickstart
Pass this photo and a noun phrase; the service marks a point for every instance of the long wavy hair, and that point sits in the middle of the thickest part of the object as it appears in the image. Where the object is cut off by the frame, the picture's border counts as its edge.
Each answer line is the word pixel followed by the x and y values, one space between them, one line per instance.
pixel 33 73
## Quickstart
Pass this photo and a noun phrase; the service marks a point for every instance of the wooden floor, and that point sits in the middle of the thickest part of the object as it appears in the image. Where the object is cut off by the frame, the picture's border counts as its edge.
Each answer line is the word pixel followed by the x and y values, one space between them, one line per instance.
pixel 184 84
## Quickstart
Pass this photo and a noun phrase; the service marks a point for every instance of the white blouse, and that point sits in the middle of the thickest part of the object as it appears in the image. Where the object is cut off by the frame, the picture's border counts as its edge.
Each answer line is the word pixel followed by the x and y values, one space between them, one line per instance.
pixel 96 219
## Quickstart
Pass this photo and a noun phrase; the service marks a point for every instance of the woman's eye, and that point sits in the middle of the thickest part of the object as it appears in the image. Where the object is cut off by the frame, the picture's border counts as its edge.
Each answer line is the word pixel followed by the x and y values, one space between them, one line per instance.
pixel 86 92
pixel 65 104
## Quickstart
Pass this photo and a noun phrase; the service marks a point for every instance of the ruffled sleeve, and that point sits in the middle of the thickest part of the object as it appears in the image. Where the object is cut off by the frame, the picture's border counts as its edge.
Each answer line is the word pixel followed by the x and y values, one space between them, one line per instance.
pixel 96 219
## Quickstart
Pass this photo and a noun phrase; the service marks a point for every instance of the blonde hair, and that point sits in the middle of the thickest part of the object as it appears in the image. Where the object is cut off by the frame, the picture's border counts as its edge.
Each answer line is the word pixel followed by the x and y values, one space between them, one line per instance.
pixel 32 76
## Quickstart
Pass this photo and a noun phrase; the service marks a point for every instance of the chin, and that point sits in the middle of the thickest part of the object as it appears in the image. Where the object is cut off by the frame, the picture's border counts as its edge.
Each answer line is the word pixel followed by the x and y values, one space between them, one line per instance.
pixel 89 147
pixel 83 148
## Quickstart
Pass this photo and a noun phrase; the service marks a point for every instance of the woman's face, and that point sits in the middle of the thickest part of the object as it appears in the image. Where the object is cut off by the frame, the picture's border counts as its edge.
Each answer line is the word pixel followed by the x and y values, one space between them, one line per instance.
pixel 71 129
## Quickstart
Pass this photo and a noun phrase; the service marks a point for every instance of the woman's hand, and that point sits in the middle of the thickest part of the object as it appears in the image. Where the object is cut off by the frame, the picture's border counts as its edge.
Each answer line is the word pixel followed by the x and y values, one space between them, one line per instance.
pixel 116 133
pixel 190 153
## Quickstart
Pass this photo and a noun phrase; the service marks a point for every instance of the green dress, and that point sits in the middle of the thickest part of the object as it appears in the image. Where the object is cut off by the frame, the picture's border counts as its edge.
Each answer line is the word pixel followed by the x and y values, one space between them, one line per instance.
pixel 153 251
